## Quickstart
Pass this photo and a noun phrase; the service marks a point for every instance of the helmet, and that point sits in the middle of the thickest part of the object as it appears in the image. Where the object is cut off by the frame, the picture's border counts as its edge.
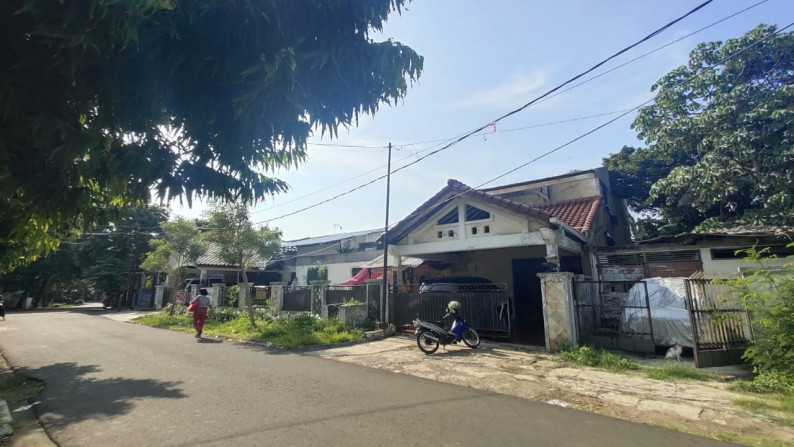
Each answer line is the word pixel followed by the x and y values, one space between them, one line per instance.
pixel 453 306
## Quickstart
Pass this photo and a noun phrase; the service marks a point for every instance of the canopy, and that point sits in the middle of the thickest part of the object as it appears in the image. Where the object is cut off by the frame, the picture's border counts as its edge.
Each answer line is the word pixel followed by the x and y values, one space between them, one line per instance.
pixel 360 277
pixel 404 262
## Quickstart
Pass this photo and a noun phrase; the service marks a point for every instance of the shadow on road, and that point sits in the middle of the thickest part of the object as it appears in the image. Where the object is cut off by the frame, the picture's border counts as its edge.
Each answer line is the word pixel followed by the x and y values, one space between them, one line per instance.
pixel 72 396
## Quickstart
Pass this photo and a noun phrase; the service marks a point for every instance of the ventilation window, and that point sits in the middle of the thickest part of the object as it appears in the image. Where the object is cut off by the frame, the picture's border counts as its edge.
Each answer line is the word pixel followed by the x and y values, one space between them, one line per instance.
pixel 473 230
pixel 486 229
pixel 451 233
pixel 440 234
pixel 450 218
pixel 474 213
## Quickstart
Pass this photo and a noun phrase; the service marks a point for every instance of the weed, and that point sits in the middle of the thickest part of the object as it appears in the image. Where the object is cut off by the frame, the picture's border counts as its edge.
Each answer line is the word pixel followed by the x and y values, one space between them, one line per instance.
pixel 595 357
pixel 678 372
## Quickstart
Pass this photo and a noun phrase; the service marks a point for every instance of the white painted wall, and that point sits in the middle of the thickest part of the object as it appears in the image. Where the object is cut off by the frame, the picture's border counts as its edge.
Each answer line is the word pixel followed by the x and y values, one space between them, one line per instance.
pixel 731 266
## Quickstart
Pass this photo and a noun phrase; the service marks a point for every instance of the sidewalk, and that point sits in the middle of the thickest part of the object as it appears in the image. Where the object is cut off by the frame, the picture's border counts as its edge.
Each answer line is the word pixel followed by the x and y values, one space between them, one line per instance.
pixel 701 408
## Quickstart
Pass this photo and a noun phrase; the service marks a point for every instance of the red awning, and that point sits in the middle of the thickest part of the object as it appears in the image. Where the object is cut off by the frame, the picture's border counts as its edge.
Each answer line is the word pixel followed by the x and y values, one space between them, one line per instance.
pixel 362 275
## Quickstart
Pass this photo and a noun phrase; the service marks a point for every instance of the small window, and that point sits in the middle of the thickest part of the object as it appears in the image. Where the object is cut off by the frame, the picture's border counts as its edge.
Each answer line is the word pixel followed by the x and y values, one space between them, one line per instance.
pixel 486 229
pixel 474 213
pixel 451 233
pixel 450 218
pixel 473 230
pixel 440 234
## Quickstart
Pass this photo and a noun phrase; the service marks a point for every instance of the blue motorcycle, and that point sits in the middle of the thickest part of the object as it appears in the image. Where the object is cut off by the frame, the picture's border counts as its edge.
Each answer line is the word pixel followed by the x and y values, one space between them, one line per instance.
pixel 430 336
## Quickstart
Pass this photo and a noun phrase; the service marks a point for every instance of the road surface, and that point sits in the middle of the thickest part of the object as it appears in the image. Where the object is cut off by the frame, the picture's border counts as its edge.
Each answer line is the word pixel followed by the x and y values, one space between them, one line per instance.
pixel 111 383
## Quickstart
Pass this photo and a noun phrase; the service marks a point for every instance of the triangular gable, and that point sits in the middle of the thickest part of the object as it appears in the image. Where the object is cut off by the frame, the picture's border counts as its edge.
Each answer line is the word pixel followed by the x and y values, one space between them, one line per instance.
pixel 431 209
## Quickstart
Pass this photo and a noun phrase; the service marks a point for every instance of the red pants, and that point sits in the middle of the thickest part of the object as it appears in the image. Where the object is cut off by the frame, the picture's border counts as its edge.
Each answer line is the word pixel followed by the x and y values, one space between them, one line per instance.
pixel 199 317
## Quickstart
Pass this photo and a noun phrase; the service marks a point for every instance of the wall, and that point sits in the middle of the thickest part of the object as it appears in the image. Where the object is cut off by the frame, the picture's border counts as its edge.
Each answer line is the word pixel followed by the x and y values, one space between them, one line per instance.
pixel 731 266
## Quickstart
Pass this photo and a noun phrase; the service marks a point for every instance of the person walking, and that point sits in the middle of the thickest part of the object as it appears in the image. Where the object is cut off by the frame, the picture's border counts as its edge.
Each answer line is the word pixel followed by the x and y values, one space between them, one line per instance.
pixel 2 309
pixel 203 304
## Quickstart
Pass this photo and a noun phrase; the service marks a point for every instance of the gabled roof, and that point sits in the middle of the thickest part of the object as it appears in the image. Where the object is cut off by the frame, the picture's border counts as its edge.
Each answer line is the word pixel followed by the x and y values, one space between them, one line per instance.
pixel 211 258
pixel 577 213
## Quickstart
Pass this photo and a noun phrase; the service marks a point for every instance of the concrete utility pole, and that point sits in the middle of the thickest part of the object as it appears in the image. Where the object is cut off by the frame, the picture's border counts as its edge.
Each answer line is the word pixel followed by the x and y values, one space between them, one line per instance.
pixel 384 292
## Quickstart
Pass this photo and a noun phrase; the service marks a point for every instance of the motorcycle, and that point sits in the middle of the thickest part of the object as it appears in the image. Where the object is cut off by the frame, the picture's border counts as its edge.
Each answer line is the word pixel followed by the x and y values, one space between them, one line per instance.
pixel 430 336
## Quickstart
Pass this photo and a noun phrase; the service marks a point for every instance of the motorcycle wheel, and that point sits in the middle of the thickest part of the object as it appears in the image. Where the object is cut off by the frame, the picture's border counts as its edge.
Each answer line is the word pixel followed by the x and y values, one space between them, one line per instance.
pixel 471 338
pixel 426 345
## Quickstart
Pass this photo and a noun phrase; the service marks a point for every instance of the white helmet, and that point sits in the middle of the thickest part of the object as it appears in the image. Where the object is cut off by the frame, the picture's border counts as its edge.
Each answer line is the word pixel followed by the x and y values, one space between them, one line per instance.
pixel 453 306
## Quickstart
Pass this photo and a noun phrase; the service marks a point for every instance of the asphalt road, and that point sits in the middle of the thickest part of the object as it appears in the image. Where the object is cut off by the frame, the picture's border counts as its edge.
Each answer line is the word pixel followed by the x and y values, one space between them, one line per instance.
pixel 111 383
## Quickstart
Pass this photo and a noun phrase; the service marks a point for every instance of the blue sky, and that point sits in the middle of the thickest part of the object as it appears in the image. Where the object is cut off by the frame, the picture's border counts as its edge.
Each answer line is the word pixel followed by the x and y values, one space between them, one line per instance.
pixel 482 60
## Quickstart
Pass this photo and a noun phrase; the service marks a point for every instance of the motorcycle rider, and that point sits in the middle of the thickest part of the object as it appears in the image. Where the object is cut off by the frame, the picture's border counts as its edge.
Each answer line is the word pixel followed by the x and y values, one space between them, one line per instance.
pixel 452 309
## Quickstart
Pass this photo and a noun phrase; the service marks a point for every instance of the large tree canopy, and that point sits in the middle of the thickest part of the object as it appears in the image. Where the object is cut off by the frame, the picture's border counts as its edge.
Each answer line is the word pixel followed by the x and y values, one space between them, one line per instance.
pixel 103 102
pixel 720 138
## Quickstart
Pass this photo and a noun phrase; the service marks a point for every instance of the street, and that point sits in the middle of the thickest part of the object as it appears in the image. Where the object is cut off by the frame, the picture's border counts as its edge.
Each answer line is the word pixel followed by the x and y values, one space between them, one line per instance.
pixel 110 383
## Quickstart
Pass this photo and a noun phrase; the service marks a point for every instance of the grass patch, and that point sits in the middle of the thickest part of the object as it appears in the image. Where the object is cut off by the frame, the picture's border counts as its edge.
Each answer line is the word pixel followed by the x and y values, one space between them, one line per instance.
pixel 677 372
pixel 774 396
pixel 595 357
pixel 301 330
pixel 15 389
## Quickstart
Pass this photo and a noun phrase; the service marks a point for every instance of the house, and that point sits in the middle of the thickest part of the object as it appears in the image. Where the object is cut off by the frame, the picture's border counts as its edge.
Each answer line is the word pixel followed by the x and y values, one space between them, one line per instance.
pixel 509 234
pixel 710 255
pixel 343 255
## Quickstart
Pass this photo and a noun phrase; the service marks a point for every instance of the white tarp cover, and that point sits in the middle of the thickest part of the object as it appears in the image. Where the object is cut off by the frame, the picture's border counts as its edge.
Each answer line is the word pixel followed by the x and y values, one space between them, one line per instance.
pixel 669 316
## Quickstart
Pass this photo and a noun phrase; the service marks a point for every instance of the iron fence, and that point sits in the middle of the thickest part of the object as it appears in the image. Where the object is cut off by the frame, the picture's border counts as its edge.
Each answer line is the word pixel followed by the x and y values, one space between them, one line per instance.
pixel 297 298
pixel 721 323
pixel 260 295
pixel 614 314
pixel 345 294
pixel 486 311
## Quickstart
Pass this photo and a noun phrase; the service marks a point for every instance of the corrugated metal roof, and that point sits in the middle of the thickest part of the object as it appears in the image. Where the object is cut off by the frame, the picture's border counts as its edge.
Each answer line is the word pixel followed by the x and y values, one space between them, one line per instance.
pixel 327 239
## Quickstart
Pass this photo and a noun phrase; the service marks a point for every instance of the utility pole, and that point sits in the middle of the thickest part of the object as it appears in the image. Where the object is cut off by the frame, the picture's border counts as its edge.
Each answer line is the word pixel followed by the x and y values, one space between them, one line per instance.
pixel 384 293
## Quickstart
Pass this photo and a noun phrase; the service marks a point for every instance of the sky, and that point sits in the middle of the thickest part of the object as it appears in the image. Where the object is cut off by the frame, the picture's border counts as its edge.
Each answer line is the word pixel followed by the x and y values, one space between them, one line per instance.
pixel 481 61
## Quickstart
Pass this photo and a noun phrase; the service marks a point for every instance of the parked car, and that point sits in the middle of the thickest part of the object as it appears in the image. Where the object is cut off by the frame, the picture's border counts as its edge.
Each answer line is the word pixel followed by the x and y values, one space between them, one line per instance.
pixel 458 284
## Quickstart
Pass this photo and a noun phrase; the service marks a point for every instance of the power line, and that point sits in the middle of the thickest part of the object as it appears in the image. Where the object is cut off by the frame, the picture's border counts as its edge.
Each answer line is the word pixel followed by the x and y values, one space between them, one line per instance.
pixel 441 141
pixel 513 112
pixel 545 154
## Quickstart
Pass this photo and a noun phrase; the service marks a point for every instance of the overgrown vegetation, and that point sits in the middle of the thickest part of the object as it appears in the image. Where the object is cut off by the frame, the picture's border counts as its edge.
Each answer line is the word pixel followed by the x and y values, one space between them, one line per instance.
pixel 16 389
pixel 292 331
pixel 769 296
pixel 595 357
pixel 677 371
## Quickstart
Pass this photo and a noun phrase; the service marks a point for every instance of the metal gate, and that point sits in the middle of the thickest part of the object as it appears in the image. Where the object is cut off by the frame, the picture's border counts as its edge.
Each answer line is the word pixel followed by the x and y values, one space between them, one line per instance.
pixel 614 315
pixel 486 311
pixel 721 323
pixel 297 298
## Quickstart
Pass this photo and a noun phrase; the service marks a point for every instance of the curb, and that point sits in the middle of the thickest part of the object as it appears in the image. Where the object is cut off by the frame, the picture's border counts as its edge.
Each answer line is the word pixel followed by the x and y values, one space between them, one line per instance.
pixel 6 427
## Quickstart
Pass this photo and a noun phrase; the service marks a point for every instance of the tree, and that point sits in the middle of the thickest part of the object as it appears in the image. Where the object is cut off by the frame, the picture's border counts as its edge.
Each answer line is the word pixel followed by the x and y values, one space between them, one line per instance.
pixel 238 243
pixel 180 246
pixel 103 102
pixel 720 138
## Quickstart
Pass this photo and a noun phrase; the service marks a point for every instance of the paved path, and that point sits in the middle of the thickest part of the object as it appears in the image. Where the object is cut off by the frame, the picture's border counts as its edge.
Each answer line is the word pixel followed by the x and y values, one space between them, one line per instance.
pixel 109 383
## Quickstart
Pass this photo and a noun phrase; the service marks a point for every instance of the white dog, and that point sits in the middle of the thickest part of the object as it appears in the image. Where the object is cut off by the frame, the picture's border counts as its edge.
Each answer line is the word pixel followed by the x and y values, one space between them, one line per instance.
pixel 674 353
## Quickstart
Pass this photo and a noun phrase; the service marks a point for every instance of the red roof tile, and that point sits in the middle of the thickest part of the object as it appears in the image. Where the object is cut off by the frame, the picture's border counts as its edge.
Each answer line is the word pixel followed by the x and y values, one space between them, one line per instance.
pixel 576 213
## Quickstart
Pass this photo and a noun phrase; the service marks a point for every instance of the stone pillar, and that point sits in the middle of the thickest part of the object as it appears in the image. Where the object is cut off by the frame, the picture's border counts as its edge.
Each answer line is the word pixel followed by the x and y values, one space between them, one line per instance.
pixel 276 297
pixel 159 291
pixel 559 320
pixel 318 296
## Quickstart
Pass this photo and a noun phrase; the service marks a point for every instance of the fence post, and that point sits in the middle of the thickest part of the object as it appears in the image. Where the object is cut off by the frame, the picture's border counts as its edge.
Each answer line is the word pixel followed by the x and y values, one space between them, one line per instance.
pixel 318 296
pixel 558 313
pixel 277 297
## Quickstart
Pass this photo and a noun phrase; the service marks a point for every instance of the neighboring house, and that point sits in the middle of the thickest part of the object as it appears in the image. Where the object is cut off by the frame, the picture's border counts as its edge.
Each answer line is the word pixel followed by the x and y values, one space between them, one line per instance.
pixel 210 265
pixel 707 255
pixel 509 234
pixel 343 255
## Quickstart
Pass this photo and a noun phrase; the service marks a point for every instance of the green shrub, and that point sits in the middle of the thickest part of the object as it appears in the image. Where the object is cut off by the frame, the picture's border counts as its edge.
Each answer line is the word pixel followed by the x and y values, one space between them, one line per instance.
pixel 232 296
pixel 769 296
pixel 595 357
pixel 767 382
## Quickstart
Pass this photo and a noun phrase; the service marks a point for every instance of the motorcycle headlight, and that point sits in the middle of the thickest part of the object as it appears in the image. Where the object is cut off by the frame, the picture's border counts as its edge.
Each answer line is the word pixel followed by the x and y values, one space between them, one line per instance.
pixel 416 323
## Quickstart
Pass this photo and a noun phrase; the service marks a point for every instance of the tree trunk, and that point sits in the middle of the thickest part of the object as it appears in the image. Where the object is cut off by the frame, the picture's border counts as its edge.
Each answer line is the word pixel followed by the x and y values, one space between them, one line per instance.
pixel 246 296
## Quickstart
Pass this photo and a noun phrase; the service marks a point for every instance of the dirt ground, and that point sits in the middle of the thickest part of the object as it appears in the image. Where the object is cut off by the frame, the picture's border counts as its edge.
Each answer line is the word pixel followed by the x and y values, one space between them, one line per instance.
pixel 702 408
